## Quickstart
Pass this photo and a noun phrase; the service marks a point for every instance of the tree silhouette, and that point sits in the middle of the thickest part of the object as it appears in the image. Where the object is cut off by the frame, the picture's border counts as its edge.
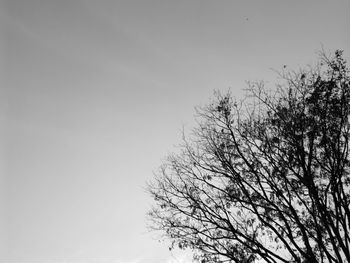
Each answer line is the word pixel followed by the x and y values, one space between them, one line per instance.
pixel 265 179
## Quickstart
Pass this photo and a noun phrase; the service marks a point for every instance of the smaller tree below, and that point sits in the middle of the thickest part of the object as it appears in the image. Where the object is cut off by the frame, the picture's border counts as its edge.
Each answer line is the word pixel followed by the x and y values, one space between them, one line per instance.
pixel 265 179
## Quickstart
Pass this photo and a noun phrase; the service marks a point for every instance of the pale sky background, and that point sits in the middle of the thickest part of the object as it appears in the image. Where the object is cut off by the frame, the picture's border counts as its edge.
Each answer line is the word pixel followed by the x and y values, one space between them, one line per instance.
pixel 94 94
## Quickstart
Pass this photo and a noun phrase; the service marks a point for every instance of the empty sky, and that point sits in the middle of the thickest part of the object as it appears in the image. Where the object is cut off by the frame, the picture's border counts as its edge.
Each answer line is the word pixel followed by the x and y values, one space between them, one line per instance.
pixel 95 93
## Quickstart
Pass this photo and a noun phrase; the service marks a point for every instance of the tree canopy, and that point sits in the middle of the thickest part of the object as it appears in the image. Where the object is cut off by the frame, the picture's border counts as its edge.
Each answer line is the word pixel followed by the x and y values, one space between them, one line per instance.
pixel 266 178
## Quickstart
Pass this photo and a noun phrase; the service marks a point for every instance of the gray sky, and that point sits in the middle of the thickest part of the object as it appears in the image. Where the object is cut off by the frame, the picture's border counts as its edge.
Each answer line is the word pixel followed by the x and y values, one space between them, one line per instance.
pixel 95 93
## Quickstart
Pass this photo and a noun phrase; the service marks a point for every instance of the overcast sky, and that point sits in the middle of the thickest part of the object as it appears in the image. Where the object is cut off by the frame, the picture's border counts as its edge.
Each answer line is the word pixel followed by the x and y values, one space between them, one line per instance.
pixel 94 94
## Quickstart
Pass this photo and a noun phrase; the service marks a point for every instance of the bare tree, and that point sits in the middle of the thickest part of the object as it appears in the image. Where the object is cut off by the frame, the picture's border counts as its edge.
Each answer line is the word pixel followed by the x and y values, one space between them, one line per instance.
pixel 265 179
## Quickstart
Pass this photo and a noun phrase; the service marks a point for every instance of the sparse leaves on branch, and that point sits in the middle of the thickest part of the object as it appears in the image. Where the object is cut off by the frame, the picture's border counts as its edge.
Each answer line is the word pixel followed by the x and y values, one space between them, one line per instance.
pixel 265 179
